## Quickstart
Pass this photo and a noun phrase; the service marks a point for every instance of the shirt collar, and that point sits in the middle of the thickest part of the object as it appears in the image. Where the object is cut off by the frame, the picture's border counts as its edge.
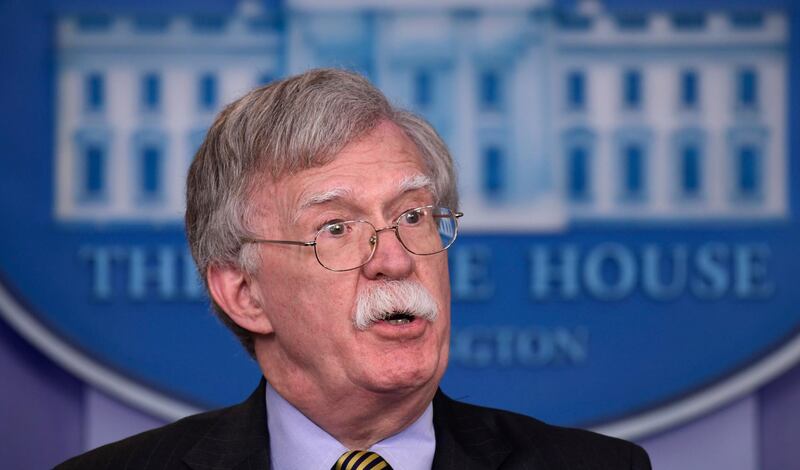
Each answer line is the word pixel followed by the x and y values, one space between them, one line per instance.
pixel 297 443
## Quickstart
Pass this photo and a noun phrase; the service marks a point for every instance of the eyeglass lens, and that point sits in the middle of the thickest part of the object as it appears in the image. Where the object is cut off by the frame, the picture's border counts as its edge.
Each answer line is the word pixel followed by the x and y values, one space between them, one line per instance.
pixel 343 246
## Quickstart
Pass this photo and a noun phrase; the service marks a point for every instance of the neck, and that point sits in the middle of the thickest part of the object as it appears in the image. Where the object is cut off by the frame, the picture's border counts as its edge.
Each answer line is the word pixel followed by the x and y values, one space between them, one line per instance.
pixel 370 417
pixel 356 417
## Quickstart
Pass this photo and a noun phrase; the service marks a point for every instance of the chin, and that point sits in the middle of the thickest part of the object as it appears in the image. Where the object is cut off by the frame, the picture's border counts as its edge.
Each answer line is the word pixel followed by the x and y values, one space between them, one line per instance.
pixel 408 377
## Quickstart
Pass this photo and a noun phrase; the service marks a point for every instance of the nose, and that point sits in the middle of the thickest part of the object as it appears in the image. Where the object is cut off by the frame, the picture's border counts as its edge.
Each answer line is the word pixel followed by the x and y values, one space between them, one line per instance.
pixel 390 260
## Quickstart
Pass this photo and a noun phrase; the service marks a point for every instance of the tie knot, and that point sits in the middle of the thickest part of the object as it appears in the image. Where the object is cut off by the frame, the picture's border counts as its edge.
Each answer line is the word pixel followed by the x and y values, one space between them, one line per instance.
pixel 361 460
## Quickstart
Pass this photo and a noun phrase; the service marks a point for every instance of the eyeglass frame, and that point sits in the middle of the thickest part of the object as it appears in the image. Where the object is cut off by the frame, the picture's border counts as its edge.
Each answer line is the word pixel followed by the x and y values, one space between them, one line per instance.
pixel 455 214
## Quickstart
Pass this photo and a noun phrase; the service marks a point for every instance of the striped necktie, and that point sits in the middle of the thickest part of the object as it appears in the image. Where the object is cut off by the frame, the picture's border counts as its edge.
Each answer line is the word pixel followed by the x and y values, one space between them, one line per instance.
pixel 361 460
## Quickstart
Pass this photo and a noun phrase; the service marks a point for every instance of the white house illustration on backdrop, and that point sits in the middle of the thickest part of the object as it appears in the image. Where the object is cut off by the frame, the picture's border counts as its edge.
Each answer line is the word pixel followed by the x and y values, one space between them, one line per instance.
pixel 552 115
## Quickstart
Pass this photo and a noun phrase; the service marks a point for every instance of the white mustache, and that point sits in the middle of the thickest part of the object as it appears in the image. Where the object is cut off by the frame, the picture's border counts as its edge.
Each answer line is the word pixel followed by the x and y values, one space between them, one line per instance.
pixel 380 300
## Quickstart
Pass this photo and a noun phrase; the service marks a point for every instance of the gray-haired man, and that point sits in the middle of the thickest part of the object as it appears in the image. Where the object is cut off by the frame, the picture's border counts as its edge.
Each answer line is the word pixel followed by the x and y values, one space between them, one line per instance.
pixel 319 216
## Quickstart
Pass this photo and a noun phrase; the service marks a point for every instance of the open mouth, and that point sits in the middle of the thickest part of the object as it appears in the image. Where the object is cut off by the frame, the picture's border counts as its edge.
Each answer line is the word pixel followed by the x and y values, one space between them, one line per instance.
pixel 399 318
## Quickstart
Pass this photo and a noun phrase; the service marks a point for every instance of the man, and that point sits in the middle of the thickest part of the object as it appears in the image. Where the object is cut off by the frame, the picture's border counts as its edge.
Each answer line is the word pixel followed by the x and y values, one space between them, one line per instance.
pixel 319 216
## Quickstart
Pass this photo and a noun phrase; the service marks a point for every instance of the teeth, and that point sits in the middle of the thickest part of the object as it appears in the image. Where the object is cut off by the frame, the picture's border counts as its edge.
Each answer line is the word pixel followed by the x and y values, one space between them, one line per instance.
pixel 399 321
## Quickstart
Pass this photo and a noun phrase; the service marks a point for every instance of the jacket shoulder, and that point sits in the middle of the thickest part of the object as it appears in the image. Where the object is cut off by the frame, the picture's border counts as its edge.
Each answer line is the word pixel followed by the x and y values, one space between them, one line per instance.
pixel 161 448
pixel 530 440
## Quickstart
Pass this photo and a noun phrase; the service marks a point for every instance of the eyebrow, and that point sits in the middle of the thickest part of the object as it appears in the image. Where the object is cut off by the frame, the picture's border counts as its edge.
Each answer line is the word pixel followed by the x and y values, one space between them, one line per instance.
pixel 407 184
pixel 315 199
pixel 414 182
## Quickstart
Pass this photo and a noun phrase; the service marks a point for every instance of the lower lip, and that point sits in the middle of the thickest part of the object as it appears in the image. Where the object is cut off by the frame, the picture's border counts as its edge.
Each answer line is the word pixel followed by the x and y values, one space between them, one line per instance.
pixel 401 331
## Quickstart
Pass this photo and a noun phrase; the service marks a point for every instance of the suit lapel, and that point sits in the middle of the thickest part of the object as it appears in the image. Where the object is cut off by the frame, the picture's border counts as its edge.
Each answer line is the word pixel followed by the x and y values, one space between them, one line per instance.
pixel 463 441
pixel 238 440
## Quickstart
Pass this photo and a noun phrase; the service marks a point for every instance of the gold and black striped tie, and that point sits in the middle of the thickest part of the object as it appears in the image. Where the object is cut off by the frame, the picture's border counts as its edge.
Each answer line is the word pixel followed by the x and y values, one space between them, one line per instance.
pixel 361 460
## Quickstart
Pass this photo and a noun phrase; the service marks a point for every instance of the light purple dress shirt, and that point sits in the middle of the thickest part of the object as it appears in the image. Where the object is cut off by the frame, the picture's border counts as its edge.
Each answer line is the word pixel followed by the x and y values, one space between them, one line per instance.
pixel 296 443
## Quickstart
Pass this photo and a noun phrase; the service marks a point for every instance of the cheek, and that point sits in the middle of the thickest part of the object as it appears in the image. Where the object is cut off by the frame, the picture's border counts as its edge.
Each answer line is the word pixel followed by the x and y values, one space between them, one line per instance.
pixel 313 321
pixel 441 280
pixel 323 302
pixel 443 298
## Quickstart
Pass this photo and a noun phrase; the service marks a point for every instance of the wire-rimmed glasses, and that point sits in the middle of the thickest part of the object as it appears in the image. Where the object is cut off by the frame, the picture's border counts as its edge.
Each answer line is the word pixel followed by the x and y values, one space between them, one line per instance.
pixel 350 244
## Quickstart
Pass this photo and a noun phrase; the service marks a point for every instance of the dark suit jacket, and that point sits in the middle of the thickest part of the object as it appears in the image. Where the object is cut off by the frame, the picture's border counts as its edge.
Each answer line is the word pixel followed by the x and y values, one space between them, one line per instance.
pixel 467 437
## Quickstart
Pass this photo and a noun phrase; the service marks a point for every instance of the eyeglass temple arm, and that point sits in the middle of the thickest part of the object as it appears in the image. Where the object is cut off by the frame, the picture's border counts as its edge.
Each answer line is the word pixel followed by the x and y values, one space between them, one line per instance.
pixel 457 215
pixel 282 242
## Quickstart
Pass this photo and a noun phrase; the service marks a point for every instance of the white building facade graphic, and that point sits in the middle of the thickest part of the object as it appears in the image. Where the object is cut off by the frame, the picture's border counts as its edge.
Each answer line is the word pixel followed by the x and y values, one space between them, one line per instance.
pixel 553 116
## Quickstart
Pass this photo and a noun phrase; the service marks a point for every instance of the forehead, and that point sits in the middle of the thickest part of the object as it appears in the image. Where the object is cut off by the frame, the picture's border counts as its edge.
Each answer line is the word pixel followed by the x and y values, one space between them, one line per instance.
pixel 374 167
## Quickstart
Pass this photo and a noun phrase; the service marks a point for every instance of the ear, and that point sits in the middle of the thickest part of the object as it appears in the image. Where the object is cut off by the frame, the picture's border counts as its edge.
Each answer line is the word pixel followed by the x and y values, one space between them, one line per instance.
pixel 233 291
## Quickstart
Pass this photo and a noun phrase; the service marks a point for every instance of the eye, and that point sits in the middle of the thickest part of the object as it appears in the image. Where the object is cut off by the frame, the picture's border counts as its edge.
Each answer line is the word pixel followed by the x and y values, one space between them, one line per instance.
pixel 336 229
pixel 413 217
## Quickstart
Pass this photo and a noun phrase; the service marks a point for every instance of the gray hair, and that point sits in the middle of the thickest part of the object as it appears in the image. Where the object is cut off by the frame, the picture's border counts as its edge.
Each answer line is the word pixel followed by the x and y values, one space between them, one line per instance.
pixel 287 126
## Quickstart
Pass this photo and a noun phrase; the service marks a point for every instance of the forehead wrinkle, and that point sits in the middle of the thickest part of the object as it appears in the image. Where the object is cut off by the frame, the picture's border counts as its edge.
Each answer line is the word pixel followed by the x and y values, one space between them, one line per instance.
pixel 321 197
